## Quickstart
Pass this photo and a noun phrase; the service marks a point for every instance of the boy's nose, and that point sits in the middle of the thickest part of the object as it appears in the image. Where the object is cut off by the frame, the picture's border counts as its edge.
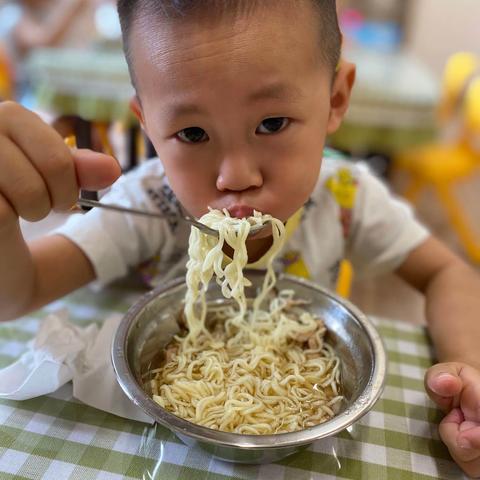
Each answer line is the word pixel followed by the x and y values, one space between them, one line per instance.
pixel 237 173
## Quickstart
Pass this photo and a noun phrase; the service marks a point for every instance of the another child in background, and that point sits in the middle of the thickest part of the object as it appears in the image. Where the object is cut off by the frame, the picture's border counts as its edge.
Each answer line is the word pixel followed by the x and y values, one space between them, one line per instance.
pixel 29 24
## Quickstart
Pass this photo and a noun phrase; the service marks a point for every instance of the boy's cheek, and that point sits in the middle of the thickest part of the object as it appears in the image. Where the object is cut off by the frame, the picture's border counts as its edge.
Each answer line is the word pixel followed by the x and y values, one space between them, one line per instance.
pixel 193 194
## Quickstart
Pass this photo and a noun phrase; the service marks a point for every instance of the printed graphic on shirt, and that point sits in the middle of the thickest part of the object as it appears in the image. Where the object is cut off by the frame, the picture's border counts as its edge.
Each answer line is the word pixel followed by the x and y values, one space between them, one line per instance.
pixel 165 200
pixel 293 263
pixel 343 187
pixel 154 270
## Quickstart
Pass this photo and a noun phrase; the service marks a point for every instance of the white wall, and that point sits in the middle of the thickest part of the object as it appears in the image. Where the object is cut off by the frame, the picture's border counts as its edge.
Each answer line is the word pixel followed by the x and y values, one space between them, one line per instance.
pixel 438 28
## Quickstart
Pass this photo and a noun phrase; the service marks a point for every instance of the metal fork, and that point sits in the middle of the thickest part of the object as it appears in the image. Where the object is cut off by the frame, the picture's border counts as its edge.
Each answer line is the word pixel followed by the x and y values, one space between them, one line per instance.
pixel 84 202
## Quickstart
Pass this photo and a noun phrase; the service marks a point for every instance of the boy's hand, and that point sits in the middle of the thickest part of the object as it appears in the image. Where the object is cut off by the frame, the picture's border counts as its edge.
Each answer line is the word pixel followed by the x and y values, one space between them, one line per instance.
pixel 38 172
pixel 455 388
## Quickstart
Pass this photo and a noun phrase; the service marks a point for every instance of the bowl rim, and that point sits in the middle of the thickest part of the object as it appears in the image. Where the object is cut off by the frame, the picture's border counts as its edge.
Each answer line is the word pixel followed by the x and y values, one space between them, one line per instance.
pixel 363 404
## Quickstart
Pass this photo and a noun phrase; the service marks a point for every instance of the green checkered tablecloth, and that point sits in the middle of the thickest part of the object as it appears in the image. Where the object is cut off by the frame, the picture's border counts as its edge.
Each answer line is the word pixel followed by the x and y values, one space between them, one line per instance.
pixel 55 437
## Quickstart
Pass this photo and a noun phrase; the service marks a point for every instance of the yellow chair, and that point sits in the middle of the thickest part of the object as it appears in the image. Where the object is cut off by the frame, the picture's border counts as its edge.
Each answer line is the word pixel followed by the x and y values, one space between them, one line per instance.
pixel 443 165
pixel 345 279
pixel 6 76
pixel 459 69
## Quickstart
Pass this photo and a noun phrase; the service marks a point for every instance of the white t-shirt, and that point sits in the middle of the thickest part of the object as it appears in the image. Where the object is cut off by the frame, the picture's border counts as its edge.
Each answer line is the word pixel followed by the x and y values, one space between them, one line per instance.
pixel 377 232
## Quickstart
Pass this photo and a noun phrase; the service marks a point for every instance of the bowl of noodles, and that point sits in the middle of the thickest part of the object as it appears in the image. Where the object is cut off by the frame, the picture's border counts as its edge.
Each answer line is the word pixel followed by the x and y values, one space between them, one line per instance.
pixel 250 367
pixel 144 338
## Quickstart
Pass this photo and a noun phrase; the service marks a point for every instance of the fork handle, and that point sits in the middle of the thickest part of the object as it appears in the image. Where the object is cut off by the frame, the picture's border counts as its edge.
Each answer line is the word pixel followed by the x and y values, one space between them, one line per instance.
pixel 84 202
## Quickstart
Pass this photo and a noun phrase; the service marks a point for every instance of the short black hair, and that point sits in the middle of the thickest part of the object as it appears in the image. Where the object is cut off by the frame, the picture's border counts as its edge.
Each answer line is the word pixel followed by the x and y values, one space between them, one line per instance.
pixel 130 11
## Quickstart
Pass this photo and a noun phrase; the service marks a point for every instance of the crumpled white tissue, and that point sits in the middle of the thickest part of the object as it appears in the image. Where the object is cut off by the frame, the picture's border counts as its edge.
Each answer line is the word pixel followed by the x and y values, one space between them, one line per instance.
pixel 62 351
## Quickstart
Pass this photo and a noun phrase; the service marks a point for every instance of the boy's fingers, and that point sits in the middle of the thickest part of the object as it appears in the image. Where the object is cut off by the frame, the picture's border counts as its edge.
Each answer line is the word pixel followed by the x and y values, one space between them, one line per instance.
pixel 21 185
pixel 8 216
pixel 95 170
pixel 469 436
pixel 451 435
pixel 468 398
pixel 64 171
pixel 45 150
pixel 443 384
pixel 58 172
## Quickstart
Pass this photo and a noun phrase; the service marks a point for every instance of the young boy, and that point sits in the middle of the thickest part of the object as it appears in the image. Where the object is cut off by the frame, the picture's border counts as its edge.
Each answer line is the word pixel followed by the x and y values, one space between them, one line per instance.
pixel 237 98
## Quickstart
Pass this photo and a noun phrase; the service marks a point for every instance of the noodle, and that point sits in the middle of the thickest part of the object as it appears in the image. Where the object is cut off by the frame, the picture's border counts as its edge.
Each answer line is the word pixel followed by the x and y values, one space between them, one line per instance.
pixel 244 368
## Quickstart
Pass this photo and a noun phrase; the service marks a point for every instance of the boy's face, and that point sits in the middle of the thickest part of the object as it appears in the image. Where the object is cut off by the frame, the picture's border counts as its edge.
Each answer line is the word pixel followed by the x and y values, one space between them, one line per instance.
pixel 238 109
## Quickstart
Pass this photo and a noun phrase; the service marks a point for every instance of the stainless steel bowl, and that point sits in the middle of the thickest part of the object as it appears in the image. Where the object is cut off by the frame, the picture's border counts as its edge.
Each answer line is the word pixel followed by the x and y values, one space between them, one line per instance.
pixel 151 322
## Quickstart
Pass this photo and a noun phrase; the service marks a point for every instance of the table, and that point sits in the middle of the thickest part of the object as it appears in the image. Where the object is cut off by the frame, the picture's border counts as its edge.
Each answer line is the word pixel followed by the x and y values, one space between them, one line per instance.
pixel 56 437
pixel 392 106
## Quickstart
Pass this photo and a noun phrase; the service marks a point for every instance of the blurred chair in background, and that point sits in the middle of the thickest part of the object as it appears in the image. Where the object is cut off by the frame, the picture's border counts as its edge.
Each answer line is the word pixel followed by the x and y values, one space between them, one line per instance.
pixel 455 157
pixel 7 81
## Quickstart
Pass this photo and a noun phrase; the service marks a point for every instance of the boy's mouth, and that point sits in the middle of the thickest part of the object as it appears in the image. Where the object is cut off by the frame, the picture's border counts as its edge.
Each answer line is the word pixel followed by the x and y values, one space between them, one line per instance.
pixel 241 211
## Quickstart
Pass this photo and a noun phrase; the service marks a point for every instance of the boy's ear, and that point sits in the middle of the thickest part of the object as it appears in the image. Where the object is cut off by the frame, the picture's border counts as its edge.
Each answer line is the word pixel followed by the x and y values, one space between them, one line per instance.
pixel 136 108
pixel 340 97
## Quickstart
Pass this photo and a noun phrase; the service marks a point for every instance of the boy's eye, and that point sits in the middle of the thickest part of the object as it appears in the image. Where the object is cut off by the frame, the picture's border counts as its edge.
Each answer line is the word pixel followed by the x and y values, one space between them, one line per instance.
pixel 273 125
pixel 192 135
